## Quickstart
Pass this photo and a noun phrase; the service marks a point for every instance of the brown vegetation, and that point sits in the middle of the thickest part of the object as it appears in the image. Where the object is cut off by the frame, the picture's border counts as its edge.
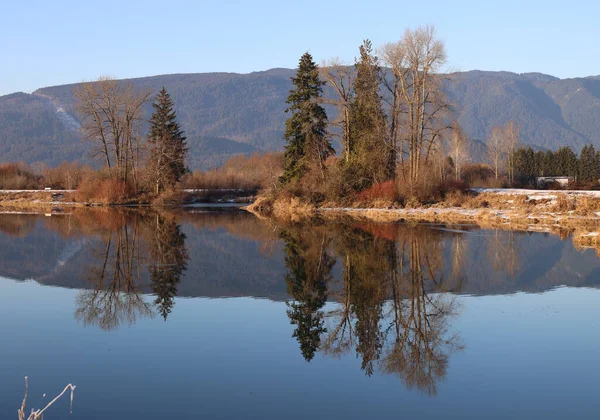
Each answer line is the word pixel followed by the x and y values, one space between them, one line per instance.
pixel 239 172
pixel 96 188
pixel 17 176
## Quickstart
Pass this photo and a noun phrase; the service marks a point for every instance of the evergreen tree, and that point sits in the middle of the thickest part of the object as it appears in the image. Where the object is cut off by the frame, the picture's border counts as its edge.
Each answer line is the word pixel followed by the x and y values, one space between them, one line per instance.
pixel 306 129
pixel 565 162
pixel 539 163
pixel 524 161
pixel 549 164
pixel 369 152
pixel 588 165
pixel 168 148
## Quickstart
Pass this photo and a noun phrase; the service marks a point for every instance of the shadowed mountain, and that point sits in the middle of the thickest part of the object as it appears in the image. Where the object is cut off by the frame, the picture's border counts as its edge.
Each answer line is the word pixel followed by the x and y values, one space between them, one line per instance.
pixel 227 113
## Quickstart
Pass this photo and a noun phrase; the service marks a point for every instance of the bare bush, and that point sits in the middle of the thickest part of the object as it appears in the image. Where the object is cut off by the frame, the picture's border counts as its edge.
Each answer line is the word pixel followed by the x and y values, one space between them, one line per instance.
pixel 18 176
pixel 239 172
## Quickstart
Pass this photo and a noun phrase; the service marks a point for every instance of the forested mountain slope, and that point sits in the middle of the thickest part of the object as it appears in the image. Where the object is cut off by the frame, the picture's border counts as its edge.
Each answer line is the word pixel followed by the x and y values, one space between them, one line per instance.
pixel 228 113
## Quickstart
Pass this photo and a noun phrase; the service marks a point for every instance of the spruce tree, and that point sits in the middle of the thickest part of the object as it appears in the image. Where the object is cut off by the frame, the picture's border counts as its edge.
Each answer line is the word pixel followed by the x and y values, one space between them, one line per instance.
pixel 168 148
pixel 369 151
pixel 549 164
pixel 588 167
pixel 539 160
pixel 306 129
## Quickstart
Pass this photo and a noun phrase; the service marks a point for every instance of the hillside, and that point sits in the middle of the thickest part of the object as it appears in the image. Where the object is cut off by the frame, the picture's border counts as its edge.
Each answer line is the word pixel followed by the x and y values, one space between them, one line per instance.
pixel 228 113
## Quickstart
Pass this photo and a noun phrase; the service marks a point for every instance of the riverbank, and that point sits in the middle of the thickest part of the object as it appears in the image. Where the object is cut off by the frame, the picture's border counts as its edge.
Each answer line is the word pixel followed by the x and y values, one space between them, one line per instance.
pixel 46 200
pixel 562 212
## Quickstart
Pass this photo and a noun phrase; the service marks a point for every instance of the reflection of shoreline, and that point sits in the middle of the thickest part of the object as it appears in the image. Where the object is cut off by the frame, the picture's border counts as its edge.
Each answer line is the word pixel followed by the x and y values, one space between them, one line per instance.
pixel 221 245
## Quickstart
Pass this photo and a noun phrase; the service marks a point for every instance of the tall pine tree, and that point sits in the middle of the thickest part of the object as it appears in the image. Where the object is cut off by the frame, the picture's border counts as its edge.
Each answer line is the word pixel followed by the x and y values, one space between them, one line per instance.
pixel 588 167
pixel 306 129
pixel 368 148
pixel 168 148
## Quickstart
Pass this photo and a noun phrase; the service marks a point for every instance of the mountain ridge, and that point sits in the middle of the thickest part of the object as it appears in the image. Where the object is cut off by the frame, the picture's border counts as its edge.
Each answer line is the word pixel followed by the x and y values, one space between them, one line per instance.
pixel 227 113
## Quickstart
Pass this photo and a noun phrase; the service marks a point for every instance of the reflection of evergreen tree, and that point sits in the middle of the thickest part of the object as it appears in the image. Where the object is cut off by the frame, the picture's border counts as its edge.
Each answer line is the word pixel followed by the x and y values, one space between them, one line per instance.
pixel 367 268
pixel 309 270
pixel 168 262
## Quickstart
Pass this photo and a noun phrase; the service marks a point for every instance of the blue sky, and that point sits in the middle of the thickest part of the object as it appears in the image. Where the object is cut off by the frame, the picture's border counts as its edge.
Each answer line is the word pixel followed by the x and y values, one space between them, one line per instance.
pixel 45 43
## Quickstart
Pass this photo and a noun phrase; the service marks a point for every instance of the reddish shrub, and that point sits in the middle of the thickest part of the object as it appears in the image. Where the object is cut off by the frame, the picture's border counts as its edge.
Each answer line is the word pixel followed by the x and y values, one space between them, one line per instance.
pixel 103 190
pixel 385 191
pixel 387 231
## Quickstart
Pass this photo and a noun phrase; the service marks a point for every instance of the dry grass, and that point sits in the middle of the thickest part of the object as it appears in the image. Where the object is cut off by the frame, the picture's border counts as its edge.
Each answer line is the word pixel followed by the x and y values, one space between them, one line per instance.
pixel 293 209
pixel 587 206
pixel 289 209
pixel 39 414
pixel 98 189
pixel 563 203
pixel 171 198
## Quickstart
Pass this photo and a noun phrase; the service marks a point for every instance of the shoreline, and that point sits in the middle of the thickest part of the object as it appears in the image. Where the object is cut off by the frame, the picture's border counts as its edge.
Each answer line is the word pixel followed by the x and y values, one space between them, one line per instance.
pixel 564 213
pixel 485 217
pixel 46 200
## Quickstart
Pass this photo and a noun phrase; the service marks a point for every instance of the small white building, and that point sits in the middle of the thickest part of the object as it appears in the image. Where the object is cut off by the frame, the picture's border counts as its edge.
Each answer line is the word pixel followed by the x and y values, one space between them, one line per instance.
pixel 563 181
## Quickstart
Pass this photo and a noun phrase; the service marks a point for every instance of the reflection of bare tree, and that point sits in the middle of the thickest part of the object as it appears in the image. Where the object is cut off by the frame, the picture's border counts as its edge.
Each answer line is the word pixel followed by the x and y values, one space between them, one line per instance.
pixel 420 347
pixel 459 257
pixel 141 246
pixel 503 252
pixel 116 296
pixel 390 306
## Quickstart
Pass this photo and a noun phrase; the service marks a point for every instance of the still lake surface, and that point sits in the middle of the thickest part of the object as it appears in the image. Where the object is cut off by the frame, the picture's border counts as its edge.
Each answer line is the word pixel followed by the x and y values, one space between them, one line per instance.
pixel 203 314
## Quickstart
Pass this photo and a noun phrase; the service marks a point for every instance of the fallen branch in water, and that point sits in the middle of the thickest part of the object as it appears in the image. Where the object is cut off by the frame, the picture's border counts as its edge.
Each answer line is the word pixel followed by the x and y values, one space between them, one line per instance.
pixel 37 414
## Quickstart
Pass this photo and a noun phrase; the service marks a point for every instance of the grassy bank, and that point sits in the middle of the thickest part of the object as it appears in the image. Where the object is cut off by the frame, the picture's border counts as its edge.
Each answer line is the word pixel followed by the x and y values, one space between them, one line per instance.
pixel 47 200
pixel 507 208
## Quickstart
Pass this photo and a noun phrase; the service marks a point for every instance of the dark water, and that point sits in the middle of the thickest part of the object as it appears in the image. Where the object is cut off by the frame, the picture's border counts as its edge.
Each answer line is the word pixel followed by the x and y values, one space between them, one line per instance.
pixel 207 314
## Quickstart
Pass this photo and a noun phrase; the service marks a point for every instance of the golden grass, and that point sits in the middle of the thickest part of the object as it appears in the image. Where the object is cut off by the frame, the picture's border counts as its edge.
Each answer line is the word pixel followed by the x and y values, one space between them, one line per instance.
pixel 289 209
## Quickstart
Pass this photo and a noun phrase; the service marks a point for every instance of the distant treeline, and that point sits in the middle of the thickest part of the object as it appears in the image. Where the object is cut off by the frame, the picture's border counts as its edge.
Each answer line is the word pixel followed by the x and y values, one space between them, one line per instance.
pixel 585 168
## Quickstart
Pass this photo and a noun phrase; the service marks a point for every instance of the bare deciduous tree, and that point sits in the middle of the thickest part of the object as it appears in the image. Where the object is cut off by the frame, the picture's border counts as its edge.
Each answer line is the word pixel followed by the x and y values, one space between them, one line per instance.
pixel 111 113
pixel 501 145
pixel 418 108
pixel 510 143
pixel 339 77
pixel 459 149
pixel 495 149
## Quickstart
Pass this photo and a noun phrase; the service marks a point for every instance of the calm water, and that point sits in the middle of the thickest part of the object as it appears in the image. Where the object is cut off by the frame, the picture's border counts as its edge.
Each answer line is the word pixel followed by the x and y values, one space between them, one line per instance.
pixel 216 314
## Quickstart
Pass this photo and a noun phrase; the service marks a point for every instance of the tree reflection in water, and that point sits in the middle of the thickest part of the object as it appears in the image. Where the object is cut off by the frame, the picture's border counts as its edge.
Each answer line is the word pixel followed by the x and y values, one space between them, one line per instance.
pixel 391 307
pixel 309 270
pixel 168 262
pixel 133 248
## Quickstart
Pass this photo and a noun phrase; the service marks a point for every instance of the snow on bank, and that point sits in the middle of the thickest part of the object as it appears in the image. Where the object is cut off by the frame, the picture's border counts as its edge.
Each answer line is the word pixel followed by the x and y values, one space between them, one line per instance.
pixel 36 191
pixel 536 194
